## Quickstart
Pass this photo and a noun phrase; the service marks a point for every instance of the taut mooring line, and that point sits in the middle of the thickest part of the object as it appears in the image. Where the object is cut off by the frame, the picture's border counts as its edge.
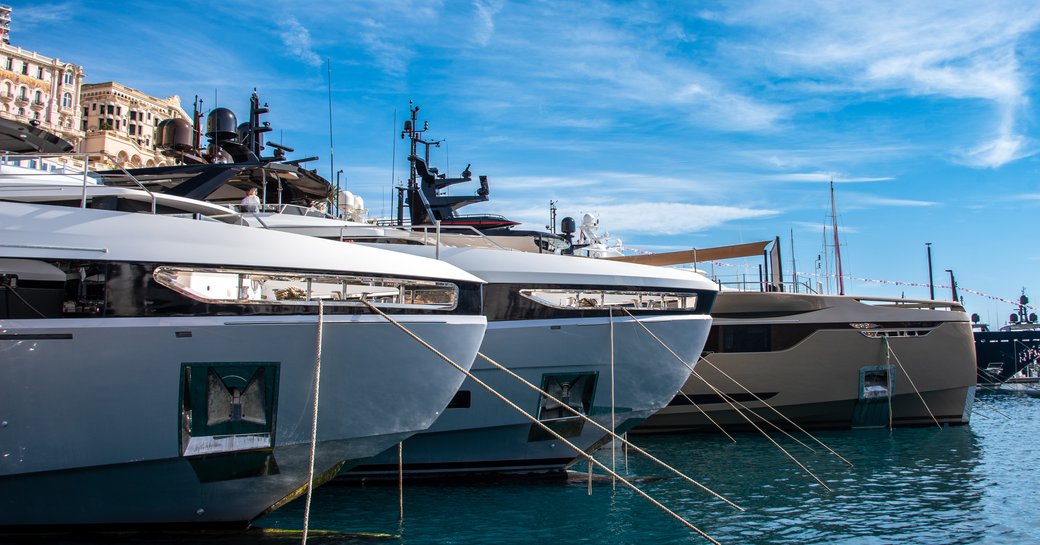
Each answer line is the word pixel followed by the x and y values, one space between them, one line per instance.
pixel 912 385
pixel 314 420
pixel 760 400
pixel 514 406
pixel 706 415
pixel 774 409
pixel 602 428
pixel 725 396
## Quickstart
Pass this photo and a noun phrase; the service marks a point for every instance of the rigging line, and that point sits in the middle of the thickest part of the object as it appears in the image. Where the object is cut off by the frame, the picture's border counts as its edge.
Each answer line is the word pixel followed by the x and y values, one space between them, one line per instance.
pixel 706 415
pixel 760 430
pixel 539 423
pixel 314 420
pixel 610 432
pixel 760 400
pixel 912 385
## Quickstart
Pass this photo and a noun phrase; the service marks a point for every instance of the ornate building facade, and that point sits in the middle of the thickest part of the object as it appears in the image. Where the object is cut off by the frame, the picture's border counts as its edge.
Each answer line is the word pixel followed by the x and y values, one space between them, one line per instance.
pixel 120 122
pixel 38 88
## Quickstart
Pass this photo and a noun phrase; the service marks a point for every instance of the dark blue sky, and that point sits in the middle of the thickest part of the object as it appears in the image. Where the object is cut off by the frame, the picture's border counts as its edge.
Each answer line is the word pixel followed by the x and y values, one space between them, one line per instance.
pixel 682 125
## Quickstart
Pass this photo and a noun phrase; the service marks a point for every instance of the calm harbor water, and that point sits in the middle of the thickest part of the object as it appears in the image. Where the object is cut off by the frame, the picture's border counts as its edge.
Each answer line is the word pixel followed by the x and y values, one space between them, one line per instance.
pixel 973 484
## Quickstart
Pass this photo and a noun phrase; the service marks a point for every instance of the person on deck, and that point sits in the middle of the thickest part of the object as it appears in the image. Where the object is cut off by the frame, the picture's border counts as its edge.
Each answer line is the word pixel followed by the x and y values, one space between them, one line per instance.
pixel 250 203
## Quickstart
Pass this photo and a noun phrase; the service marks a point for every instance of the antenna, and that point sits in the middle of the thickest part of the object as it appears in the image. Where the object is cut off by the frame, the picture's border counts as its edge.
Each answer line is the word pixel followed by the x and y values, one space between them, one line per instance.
pixel 552 217
pixel 393 165
pixel 332 160
pixel 794 268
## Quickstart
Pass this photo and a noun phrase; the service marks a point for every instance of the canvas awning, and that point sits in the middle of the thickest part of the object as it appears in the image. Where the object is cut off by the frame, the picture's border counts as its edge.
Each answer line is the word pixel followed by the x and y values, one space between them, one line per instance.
pixel 697 255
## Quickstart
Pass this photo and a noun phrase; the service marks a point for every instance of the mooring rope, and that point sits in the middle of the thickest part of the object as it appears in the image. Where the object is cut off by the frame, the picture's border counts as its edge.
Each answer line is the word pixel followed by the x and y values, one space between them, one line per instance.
pixel 706 415
pixel 775 410
pixel 760 400
pixel 611 433
pixel 724 395
pixel 613 415
pixel 912 385
pixel 314 421
pixel 400 481
pixel 989 407
pixel 891 382
pixel 539 423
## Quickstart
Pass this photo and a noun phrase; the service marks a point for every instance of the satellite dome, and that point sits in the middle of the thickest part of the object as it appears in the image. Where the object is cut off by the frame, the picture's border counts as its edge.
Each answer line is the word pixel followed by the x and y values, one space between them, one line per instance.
pixel 221 124
pixel 175 134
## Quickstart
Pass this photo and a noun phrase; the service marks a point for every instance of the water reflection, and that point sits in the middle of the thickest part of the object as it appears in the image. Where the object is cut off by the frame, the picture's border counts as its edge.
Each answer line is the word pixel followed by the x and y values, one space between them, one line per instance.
pixel 965 485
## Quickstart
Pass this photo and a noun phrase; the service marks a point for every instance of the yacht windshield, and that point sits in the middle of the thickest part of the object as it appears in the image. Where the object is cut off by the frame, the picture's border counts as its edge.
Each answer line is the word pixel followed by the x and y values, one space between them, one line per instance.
pixel 586 299
pixel 232 286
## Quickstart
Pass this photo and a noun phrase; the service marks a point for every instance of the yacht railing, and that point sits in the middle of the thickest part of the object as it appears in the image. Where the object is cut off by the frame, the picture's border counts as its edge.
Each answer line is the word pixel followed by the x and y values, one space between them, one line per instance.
pixel 33 158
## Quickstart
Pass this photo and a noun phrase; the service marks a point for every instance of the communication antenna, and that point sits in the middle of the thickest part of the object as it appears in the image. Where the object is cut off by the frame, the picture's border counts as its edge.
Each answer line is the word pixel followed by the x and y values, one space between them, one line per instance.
pixel 332 160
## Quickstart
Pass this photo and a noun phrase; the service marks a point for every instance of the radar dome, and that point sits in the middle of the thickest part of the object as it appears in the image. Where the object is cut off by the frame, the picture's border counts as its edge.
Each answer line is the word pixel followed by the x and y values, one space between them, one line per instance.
pixel 176 134
pixel 221 124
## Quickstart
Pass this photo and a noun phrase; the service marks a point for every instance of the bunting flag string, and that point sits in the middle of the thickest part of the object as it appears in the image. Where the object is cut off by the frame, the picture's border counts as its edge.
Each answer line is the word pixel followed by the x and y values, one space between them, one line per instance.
pixel 907 283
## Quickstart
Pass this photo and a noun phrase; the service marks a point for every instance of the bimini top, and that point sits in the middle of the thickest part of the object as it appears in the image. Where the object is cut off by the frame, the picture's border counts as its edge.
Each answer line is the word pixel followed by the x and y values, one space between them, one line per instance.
pixel 515 267
pixel 29 230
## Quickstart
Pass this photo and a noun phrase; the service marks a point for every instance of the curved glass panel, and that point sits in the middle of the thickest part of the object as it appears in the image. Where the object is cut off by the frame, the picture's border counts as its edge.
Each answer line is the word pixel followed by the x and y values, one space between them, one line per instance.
pixel 243 287
pixel 589 299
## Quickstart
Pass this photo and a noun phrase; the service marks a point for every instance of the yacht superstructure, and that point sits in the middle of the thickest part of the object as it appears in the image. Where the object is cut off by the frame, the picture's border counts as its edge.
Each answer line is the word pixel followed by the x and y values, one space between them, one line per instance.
pixel 580 329
pixel 160 372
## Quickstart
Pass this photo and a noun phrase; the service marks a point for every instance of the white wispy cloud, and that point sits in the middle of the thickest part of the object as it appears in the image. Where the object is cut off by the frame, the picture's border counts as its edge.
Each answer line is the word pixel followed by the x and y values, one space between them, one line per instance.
pixel 35 15
pixel 670 218
pixel 960 50
pixel 864 199
pixel 297 41
pixel 817 177
pixel 485 20
pixel 818 227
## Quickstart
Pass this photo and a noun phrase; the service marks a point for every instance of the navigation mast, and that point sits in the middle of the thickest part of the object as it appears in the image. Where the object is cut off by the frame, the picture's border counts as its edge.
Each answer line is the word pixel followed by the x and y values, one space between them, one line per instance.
pixel 837 245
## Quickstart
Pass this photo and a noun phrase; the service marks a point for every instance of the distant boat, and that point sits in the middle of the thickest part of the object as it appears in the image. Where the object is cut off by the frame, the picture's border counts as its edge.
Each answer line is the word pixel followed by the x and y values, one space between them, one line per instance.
pixel 1011 353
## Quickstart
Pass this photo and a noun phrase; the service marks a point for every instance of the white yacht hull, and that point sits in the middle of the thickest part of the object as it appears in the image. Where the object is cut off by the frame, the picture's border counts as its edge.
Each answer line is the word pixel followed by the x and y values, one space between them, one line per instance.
pixel 489 437
pixel 90 416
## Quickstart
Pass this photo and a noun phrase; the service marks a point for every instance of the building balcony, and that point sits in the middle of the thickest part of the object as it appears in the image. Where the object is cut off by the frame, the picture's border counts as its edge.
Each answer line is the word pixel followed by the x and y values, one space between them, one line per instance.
pixel 21 101
pixel 38 104
pixel 6 97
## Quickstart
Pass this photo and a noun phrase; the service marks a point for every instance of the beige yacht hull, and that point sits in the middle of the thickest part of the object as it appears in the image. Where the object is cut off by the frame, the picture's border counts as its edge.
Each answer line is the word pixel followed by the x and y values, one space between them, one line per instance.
pixel 923 353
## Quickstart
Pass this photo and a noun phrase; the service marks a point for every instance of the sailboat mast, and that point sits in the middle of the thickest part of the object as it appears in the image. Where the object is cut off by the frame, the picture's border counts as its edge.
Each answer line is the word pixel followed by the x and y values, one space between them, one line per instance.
pixel 837 245
pixel 826 261
pixel 794 268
